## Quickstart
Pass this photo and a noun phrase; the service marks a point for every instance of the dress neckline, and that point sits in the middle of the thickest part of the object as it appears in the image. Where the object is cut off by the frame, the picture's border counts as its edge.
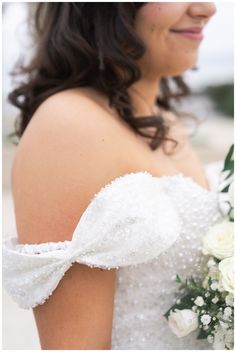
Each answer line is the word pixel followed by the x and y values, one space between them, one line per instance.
pixel 177 175
pixel 44 246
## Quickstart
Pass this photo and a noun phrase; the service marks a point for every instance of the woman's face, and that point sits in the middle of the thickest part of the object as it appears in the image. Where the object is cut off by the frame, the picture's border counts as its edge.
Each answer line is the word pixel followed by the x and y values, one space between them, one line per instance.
pixel 172 33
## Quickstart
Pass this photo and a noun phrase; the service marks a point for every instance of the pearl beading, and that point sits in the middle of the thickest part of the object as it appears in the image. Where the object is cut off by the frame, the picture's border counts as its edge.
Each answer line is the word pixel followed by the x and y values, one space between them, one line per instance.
pixel 150 228
pixel 147 291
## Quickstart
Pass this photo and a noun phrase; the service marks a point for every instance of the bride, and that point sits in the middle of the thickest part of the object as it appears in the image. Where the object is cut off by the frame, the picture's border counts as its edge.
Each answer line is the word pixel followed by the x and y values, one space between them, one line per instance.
pixel 111 200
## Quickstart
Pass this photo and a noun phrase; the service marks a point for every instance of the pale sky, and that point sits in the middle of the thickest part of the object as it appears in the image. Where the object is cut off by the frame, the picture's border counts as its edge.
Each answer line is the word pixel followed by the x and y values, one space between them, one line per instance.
pixel 216 55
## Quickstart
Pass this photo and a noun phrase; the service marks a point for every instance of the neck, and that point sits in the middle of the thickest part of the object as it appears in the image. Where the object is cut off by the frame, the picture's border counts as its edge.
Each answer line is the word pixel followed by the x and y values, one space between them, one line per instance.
pixel 144 94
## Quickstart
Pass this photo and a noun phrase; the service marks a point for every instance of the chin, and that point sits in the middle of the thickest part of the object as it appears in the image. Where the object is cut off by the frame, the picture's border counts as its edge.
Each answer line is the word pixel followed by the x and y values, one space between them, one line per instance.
pixel 177 70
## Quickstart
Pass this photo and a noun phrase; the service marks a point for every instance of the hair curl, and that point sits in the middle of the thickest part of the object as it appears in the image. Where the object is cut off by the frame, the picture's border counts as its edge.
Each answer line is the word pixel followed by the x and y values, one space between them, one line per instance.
pixel 69 36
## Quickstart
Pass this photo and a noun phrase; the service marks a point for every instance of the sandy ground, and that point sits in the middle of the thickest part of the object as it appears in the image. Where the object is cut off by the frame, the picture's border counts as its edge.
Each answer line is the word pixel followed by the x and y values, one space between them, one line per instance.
pixel 19 329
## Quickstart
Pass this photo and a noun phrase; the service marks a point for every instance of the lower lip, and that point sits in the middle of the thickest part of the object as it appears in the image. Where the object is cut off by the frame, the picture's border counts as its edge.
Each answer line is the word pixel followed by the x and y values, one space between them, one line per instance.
pixel 190 35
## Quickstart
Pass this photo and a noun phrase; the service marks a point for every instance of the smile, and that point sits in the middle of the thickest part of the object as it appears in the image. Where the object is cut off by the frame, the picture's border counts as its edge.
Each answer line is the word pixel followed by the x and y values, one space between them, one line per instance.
pixel 195 34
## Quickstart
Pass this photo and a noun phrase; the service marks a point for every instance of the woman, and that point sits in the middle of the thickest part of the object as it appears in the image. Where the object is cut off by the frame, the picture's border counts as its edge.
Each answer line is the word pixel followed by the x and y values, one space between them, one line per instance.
pixel 111 200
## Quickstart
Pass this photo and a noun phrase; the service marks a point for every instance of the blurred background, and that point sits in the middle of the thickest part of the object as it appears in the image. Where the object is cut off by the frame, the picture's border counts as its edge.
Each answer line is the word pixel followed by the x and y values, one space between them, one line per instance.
pixel 211 101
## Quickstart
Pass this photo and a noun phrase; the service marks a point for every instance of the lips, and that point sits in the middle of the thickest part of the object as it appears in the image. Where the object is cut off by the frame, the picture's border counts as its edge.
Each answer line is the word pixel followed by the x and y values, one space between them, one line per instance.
pixel 191 29
pixel 192 32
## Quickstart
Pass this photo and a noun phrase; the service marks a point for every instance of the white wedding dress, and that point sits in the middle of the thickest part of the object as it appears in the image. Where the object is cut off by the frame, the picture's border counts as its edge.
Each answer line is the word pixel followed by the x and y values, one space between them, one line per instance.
pixel 149 228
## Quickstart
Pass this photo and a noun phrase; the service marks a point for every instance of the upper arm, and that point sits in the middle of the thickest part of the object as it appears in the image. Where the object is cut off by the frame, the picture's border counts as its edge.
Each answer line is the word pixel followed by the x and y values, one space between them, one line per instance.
pixel 67 153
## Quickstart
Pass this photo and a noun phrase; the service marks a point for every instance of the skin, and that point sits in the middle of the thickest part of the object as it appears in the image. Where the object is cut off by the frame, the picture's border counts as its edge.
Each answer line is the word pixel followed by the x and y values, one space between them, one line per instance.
pixel 167 54
pixel 71 148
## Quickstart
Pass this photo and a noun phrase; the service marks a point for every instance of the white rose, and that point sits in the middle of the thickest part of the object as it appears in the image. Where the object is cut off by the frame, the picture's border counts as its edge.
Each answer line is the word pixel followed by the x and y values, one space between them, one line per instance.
pixel 214 286
pixel 205 319
pixel 231 194
pixel 199 301
pixel 226 268
pixel 219 240
pixel 182 322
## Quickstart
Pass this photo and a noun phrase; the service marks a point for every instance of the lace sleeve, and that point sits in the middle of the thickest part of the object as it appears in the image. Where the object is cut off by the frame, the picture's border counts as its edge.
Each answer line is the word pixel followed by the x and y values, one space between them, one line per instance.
pixel 129 221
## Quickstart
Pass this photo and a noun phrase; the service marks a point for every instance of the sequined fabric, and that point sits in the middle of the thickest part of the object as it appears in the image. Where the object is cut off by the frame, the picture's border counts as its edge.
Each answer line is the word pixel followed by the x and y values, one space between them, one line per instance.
pixel 149 228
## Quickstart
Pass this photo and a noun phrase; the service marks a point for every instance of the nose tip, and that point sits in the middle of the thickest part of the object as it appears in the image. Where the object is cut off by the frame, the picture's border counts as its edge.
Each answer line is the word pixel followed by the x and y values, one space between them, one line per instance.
pixel 208 9
pixel 203 9
pixel 213 8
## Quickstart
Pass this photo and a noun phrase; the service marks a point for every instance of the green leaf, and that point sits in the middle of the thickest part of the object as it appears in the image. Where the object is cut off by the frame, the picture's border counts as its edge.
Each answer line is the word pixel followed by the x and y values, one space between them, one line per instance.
pixel 209 281
pixel 229 166
pixel 178 279
pixel 228 159
pixel 226 189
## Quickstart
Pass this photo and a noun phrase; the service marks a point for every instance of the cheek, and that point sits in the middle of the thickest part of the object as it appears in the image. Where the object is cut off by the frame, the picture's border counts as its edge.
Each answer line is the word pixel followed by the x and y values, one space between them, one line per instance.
pixel 151 18
pixel 159 16
pixel 153 23
pixel 152 11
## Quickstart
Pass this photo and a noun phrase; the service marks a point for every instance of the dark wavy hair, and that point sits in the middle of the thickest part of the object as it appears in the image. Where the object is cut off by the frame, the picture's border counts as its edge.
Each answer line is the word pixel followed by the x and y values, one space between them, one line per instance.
pixel 70 38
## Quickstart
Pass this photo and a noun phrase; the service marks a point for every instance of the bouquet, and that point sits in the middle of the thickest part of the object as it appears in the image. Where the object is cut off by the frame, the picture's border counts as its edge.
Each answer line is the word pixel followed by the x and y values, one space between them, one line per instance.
pixel 208 304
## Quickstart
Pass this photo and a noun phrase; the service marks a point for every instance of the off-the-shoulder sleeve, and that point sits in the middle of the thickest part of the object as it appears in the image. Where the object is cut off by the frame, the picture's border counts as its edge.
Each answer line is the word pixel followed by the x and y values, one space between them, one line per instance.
pixel 129 221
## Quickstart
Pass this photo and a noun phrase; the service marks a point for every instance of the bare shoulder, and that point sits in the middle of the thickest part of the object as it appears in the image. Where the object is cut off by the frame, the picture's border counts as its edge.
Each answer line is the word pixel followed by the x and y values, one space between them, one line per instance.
pixel 70 149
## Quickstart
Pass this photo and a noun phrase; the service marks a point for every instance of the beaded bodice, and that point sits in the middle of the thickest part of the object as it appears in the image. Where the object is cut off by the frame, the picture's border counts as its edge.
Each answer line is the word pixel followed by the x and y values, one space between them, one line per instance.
pixel 149 228
pixel 146 291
